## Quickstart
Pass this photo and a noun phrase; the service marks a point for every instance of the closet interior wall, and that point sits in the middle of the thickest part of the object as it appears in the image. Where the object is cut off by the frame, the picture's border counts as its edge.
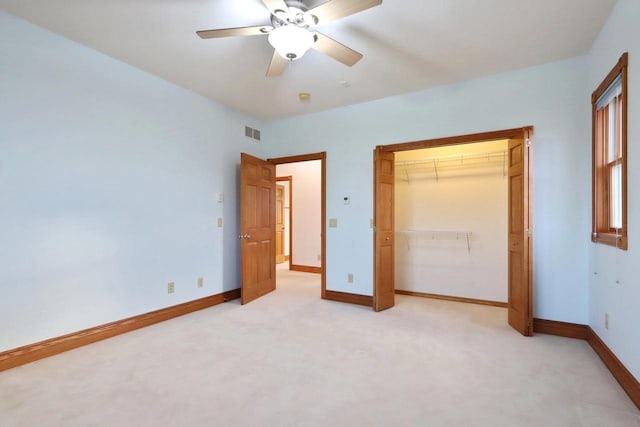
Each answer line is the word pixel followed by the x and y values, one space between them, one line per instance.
pixel 451 221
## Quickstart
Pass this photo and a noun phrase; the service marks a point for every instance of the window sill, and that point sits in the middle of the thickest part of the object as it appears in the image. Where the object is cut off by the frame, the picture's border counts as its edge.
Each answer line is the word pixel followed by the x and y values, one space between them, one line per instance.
pixel 611 239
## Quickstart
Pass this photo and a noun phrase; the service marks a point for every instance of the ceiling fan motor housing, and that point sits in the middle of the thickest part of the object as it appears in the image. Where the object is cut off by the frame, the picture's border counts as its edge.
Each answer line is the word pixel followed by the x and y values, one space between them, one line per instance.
pixel 290 36
pixel 293 16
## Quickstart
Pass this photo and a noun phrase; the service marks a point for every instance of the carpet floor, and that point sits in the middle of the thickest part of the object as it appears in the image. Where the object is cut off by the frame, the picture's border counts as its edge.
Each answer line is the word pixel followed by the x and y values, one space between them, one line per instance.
pixel 292 359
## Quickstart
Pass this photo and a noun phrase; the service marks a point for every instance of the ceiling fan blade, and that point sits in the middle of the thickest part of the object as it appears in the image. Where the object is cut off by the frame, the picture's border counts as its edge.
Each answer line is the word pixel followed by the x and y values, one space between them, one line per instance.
pixel 274 5
pixel 335 9
pixel 231 32
pixel 277 66
pixel 336 50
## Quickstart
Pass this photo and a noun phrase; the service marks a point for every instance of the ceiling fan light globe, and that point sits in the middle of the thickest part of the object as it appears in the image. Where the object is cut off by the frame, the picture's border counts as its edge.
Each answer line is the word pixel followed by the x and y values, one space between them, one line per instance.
pixel 290 41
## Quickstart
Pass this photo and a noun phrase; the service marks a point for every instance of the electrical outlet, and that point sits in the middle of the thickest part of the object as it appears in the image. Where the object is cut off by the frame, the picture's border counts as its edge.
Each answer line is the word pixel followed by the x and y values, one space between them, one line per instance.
pixel 606 320
pixel 200 282
pixel 350 277
pixel 333 222
pixel 171 287
pixel 219 222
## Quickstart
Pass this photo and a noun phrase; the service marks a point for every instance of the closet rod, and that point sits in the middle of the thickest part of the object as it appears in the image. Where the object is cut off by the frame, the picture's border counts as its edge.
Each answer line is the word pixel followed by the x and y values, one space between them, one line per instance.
pixel 457 158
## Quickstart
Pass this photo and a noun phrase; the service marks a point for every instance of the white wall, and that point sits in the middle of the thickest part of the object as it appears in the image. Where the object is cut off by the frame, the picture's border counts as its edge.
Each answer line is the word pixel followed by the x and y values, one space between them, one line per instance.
pixel 550 97
pixel 468 196
pixel 306 188
pixel 108 178
pixel 614 287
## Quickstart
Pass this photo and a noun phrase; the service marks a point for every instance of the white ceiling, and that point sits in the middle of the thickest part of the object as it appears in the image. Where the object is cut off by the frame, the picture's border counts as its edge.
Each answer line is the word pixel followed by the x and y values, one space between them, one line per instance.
pixel 408 45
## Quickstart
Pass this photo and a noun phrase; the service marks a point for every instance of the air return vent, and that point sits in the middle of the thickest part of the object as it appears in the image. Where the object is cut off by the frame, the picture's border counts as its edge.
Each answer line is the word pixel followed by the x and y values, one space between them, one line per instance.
pixel 252 133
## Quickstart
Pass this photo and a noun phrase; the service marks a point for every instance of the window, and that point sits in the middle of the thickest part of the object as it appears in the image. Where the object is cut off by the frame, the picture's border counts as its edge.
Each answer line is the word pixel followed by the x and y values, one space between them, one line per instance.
pixel 609 106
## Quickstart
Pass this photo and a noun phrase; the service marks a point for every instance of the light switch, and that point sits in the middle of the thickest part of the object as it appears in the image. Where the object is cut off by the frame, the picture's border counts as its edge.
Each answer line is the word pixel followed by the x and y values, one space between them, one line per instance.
pixel 333 222
pixel 346 200
pixel 219 222
pixel 220 197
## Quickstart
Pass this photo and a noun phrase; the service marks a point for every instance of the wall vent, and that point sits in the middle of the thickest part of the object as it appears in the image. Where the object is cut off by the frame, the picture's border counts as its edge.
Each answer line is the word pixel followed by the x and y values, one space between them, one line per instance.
pixel 252 133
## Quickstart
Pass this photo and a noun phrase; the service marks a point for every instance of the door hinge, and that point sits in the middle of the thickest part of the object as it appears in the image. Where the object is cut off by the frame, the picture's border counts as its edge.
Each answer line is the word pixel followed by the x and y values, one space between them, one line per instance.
pixel 528 142
pixel 528 232
pixel 528 323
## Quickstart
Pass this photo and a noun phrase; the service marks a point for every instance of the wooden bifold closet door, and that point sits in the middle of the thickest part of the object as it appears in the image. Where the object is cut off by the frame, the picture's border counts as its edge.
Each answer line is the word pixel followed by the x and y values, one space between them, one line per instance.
pixel 520 234
pixel 384 285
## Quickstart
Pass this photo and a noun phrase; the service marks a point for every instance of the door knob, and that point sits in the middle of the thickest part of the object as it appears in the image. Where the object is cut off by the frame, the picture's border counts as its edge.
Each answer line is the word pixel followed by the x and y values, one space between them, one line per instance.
pixel 387 238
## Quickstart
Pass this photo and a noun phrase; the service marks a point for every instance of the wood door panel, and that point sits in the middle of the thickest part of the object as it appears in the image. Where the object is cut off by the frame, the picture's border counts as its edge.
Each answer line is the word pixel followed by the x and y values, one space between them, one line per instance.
pixel 250 273
pixel 386 293
pixel 267 173
pixel 515 270
pixel 384 286
pixel 516 224
pixel 264 265
pixel 251 170
pixel 385 218
pixel 257 227
pixel 386 166
pixel 264 213
pixel 515 156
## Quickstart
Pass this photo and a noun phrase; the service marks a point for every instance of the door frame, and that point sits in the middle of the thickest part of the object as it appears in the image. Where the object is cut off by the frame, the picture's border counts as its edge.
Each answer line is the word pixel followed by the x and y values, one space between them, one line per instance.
pixel 290 214
pixel 527 131
pixel 322 156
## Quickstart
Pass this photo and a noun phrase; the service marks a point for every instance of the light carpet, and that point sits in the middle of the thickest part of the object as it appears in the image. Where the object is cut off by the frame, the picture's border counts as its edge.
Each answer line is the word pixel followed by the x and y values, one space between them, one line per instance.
pixel 292 359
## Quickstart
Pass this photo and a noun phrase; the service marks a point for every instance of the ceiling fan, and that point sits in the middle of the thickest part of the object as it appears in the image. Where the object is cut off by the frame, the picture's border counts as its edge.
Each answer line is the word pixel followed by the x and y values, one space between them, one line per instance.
pixel 290 31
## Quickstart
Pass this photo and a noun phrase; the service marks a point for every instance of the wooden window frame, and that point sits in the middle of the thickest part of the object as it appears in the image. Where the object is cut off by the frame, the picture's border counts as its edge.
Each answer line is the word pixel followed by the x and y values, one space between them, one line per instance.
pixel 601 231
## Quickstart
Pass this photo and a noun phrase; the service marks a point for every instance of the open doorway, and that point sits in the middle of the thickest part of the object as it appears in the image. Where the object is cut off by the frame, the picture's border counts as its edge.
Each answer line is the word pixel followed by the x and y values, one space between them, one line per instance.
pixel 517 168
pixel 301 216
pixel 300 221
pixel 451 222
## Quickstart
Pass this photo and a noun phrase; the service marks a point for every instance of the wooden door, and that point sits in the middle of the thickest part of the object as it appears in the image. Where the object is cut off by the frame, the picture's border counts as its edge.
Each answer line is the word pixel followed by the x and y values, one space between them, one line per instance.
pixel 384 286
pixel 520 235
pixel 257 227
pixel 279 224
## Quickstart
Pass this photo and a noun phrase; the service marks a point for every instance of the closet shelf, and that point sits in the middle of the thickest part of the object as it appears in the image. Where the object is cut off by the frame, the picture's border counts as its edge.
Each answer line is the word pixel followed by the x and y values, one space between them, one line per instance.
pixel 437 164
pixel 438 235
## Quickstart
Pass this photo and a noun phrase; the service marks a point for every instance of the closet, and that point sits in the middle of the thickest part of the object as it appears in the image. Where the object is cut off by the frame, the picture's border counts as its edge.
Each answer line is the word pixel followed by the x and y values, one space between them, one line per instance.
pixel 451 214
